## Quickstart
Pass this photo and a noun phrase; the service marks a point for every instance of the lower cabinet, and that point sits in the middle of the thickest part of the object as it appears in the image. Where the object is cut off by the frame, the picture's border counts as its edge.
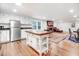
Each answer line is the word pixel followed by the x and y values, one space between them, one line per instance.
pixel 4 36
pixel 39 43
pixel 23 34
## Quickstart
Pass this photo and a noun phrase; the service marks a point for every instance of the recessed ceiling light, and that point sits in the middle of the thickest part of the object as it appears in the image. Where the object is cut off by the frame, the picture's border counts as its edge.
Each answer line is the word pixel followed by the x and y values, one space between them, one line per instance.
pixel 75 16
pixel 43 17
pixel 53 19
pixel 71 11
pixel 18 4
pixel 14 10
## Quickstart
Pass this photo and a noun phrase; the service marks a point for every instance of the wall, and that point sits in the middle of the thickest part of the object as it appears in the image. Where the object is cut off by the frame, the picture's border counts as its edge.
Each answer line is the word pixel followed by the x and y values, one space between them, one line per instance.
pixel 4 18
pixel 66 25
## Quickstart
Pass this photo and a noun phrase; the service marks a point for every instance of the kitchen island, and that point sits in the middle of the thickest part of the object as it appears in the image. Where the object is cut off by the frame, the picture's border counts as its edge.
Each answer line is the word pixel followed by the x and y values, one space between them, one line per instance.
pixel 58 44
pixel 39 41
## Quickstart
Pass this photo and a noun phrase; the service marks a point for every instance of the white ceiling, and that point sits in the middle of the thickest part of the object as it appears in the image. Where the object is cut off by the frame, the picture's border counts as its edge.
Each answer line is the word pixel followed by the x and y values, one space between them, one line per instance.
pixel 52 11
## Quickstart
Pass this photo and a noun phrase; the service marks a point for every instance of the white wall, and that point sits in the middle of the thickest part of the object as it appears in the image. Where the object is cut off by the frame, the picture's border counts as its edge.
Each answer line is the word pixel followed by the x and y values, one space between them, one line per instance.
pixel 44 25
pixel 62 26
pixel 66 25
pixel 4 18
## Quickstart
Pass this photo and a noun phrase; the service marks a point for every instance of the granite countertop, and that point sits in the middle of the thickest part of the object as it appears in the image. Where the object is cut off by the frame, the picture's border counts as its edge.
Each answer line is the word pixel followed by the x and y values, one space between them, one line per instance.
pixel 5 29
pixel 26 27
pixel 21 28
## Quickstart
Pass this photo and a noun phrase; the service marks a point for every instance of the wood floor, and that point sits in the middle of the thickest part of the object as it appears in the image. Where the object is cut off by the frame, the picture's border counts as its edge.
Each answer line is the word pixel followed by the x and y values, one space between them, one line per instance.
pixel 18 48
pixel 58 47
pixel 61 47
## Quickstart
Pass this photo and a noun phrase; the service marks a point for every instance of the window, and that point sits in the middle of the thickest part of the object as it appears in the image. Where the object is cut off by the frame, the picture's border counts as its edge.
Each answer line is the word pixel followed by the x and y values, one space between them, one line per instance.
pixel 73 25
pixel 39 25
pixel 36 25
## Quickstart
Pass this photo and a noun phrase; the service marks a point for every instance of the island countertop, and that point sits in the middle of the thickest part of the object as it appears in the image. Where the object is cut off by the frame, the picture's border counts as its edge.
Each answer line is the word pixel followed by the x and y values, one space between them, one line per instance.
pixel 39 33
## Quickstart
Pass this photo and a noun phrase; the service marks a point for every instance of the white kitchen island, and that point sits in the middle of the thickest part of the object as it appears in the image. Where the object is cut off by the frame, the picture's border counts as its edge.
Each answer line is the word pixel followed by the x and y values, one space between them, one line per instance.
pixel 39 41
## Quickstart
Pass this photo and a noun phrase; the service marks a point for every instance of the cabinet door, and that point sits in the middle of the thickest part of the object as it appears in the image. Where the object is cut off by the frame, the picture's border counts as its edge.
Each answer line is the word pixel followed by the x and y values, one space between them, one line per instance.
pixel 23 34
pixel 5 36
pixel 34 42
pixel 8 35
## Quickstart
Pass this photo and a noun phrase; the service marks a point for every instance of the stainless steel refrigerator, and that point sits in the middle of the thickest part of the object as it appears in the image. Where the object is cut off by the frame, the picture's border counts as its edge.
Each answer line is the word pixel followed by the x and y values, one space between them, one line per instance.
pixel 15 32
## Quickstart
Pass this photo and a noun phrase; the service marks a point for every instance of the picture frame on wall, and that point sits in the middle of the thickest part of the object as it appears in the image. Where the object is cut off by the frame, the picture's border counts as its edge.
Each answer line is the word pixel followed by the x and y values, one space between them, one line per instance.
pixel 73 25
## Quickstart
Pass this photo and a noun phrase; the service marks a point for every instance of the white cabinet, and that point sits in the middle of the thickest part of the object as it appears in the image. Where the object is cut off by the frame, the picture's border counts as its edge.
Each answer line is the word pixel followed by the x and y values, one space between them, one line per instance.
pixel 23 34
pixel 5 37
pixel 38 42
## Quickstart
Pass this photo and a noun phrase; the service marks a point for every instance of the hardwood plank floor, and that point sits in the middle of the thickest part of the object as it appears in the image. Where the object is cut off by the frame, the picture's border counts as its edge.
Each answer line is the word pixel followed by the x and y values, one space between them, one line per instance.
pixel 63 48
pixel 18 48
